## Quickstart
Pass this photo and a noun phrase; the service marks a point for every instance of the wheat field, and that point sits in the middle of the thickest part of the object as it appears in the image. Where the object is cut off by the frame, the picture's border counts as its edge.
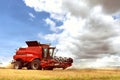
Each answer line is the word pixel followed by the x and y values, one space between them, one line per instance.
pixel 70 74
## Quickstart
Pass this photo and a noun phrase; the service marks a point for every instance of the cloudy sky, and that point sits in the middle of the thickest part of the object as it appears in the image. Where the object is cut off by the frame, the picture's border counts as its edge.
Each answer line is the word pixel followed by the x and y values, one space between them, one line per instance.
pixel 86 30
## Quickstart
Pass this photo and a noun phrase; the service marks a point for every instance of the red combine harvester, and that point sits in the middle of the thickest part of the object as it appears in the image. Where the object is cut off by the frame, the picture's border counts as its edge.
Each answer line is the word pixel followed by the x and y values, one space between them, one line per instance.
pixel 39 56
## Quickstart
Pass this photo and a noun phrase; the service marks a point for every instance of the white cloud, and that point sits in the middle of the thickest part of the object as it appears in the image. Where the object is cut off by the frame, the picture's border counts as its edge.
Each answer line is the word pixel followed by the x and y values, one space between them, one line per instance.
pixel 49 37
pixel 107 61
pixel 52 6
pixel 52 24
pixel 76 7
pixel 31 15
pixel 109 6
pixel 88 32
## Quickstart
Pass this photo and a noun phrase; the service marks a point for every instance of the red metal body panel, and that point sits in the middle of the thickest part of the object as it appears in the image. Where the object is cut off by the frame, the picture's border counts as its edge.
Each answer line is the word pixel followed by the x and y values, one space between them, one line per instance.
pixel 29 53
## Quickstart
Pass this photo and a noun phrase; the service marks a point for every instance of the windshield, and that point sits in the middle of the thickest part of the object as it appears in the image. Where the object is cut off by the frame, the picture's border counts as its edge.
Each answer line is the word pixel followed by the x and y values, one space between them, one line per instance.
pixel 51 51
pixel 45 51
pixel 48 52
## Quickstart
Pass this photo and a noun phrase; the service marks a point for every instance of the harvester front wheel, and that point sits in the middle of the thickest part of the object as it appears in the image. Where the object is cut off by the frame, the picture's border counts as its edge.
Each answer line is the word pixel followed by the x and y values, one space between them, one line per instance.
pixel 18 65
pixel 35 64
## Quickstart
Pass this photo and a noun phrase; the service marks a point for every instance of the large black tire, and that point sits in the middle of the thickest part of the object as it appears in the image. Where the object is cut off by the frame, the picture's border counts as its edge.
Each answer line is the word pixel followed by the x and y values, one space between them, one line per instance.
pixel 35 64
pixel 18 65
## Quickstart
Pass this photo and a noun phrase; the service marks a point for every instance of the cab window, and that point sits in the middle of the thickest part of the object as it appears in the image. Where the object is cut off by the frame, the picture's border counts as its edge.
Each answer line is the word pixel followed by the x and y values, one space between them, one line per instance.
pixel 45 51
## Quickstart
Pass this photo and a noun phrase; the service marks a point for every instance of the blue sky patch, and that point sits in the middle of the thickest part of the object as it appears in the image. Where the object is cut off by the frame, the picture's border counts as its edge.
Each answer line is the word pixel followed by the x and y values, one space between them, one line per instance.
pixel 19 23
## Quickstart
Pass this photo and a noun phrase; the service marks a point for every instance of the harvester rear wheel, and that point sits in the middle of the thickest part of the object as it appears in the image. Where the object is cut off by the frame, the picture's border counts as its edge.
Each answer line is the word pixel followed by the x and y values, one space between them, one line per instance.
pixel 35 64
pixel 18 65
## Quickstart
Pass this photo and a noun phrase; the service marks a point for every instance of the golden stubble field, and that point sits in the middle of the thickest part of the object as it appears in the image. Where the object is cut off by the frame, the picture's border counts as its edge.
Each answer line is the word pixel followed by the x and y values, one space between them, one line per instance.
pixel 70 74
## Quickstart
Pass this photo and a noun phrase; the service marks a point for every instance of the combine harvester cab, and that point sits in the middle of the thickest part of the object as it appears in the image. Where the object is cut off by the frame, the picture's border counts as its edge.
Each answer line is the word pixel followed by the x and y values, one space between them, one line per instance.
pixel 39 56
